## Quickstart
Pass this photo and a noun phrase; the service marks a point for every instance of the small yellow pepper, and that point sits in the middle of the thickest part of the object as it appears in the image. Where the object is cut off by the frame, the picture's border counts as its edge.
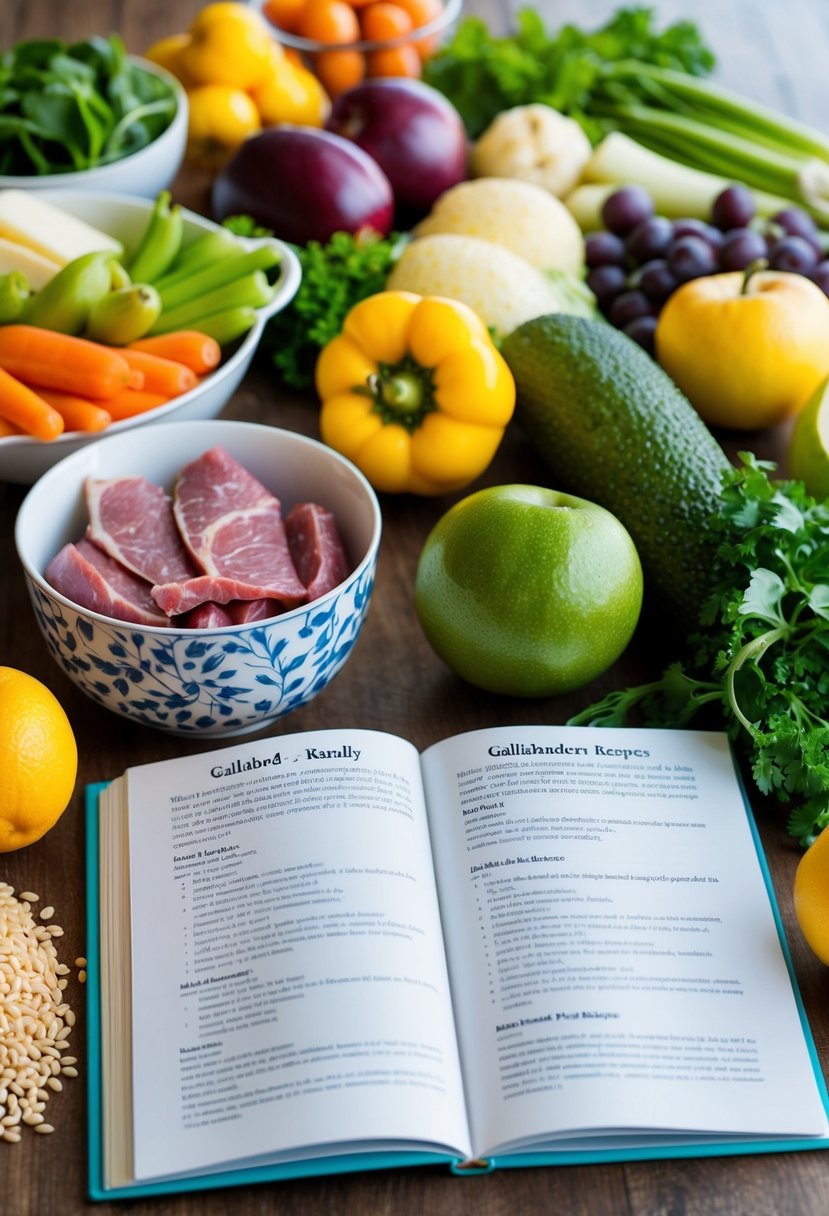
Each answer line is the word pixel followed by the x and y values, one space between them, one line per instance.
pixel 414 392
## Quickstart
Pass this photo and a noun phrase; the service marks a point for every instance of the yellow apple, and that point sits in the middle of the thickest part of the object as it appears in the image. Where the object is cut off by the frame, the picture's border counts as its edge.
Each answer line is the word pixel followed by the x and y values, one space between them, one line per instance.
pixel 747 348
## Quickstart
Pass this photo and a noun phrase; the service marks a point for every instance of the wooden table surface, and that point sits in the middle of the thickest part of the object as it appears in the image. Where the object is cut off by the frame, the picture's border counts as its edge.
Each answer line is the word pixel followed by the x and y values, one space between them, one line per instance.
pixel 776 52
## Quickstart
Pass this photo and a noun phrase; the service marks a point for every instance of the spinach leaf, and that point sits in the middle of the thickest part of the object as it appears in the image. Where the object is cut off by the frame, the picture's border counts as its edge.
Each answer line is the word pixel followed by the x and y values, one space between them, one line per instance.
pixel 66 107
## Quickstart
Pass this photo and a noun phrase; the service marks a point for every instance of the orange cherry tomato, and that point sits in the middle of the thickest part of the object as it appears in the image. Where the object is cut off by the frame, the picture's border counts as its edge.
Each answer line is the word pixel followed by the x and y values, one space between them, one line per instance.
pixel 284 14
pixel 383 20
pixel 339 70
pixel 329 21
pixel 396 61
pixel 421 13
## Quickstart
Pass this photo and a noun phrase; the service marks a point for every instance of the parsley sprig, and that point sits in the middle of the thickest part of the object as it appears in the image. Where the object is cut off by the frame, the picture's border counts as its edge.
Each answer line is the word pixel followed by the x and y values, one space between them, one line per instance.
pixel 336 275
pixel 761 655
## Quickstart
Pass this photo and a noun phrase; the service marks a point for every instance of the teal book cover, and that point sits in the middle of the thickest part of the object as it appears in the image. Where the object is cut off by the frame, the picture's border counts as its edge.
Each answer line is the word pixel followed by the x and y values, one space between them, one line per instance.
pixel 615 1146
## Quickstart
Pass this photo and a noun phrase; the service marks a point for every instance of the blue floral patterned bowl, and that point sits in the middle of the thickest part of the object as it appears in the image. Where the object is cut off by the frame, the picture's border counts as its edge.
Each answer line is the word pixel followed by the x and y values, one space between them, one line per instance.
pixel 213 682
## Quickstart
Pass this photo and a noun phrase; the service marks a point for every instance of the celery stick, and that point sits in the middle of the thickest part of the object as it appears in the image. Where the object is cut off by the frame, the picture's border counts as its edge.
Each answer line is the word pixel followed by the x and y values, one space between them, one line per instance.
pixel 242 262
pixel 677 189
pixel 225 327
pixel 251 291
pixel 204 251
pixel 720 151
pixel 754 119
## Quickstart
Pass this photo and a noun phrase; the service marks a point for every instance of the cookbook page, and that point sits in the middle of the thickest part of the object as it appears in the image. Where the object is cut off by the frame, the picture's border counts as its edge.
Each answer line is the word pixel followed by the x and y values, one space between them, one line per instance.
pixel 614 956
pixel 289 980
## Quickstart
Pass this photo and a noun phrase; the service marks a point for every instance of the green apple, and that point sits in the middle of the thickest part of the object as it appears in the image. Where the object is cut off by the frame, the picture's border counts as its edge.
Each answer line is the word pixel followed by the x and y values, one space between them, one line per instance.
pixel 527 591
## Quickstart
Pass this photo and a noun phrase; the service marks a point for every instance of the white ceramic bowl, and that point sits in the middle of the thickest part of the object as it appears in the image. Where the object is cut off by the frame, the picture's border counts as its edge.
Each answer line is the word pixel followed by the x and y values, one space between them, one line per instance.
pixel 212 682
pixel 23 459
pixel 144 173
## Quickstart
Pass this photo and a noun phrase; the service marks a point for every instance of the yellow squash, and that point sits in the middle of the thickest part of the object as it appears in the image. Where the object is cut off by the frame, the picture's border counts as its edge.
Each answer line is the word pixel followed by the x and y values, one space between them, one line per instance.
pixel 414 392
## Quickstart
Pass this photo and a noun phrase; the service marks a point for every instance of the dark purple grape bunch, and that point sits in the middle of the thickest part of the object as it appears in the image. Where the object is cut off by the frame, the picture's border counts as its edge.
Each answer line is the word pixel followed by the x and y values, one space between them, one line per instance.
pixel 640 258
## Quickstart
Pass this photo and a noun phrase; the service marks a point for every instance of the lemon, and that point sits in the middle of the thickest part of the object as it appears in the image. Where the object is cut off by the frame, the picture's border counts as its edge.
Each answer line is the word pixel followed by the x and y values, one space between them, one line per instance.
pixel 808 454
pixel 811 895
pixel 230 45
pixel 38 759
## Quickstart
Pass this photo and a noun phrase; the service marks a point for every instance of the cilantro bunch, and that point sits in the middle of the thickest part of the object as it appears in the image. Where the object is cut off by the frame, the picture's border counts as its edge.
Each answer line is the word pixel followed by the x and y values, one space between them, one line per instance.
pixel 761 657
pixel 482 75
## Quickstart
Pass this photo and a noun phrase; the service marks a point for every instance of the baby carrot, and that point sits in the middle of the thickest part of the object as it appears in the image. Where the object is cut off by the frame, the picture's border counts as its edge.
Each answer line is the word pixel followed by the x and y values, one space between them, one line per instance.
pixel 195 350
pixel 130 402
pixel 21 406
pixel 160 375
pixel 48 359
pixel 8 428
pixel 78 413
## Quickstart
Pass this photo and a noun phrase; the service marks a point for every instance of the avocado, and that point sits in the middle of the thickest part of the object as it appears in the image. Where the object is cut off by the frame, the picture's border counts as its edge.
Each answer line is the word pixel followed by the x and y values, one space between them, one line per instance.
pixel 614 428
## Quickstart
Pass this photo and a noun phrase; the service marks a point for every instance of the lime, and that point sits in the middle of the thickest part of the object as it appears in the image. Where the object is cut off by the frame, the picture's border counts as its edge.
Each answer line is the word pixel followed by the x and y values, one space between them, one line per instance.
pixel 527 591
pixel 808 454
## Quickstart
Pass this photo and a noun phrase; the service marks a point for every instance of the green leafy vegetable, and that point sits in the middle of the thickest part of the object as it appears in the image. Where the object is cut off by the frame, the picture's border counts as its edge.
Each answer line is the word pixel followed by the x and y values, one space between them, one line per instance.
pixel 335 276
pixel 483 75
pixel 629 77
pixel 66 107
pixel 761 657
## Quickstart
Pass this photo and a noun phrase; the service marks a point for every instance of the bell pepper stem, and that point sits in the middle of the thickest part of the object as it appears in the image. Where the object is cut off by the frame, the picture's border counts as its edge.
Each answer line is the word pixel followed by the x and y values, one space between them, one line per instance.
pixel 401 392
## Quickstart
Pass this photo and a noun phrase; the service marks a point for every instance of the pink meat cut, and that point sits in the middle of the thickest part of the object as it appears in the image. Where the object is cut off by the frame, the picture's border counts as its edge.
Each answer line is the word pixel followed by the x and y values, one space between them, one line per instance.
pixel 89 577
pixel 207 616
pixel 132 520
pixel 246 612
pixel 316 547
pixel 233 529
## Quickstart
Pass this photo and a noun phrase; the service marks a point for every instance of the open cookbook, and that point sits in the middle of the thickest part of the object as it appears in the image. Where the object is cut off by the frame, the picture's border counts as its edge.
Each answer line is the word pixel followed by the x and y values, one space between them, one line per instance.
pixel 325 952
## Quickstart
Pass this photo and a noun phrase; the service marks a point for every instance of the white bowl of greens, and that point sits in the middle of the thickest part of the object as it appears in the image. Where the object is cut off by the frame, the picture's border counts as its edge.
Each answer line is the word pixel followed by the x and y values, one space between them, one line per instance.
pixel 88 116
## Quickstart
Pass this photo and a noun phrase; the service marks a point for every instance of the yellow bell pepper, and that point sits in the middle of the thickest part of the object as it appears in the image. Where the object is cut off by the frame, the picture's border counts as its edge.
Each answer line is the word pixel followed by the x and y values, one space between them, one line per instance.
pixel 414 392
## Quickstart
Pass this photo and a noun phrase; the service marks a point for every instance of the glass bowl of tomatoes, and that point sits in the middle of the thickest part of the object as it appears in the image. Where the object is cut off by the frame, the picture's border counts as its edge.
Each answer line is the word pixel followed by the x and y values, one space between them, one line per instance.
pixel 347 41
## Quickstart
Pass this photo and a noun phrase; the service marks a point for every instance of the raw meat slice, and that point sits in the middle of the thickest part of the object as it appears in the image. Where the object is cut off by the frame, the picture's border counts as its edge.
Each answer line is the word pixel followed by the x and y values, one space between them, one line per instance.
pixel 316 547
pixel 232 527
pixel 207 616
pixel 176 598
pixel 132 520
pixel 92 579
pixel 244 612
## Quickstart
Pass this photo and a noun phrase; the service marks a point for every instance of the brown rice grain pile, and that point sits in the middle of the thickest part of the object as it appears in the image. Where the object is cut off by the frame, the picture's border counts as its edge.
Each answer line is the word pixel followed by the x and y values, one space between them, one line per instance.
pixel 35 1018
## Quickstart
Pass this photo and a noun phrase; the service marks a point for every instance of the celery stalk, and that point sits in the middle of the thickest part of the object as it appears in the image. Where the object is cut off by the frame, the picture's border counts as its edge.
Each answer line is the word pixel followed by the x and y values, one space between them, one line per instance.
pixel 225 270
pixel 728 156
pixel 677 189
pixel 251 291
pixel 722 106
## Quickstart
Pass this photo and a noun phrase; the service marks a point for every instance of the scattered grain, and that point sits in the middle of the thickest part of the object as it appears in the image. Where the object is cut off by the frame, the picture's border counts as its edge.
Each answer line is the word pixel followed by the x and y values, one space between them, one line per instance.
pixel 35 1018
pixel 80 962
pixel 82 976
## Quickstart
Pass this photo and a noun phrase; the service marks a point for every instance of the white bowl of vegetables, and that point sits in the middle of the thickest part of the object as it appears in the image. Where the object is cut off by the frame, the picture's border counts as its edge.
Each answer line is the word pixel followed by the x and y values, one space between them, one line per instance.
pixel 202 394
pixel 91 117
